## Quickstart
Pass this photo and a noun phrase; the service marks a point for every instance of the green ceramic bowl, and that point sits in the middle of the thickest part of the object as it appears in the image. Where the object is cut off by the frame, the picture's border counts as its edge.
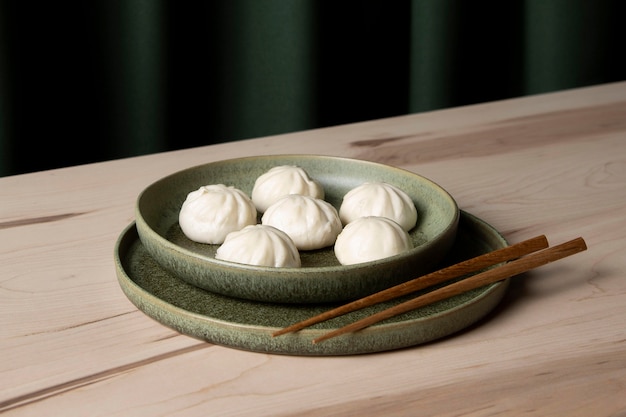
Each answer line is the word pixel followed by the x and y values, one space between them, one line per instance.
pixel 321 278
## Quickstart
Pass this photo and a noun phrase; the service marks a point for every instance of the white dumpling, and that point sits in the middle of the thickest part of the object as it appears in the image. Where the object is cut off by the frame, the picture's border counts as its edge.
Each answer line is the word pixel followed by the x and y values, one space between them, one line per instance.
pixel 370 238
pixel 211 212
pixel 379 199
pixel 283 180
pixel 259 245
pixel 310 222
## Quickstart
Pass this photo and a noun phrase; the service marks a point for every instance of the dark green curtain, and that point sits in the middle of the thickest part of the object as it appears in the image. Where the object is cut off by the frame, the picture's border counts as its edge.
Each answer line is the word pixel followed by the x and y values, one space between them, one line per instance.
pixel 94 80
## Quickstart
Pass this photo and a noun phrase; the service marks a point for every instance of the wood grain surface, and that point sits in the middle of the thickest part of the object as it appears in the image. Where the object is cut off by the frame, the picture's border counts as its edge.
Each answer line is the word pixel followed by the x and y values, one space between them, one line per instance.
pixel 71 344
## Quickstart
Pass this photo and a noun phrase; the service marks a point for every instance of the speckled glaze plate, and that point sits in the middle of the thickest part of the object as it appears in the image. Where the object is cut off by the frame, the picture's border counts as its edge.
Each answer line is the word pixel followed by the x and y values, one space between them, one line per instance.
pixel 321 278
pixel 248 325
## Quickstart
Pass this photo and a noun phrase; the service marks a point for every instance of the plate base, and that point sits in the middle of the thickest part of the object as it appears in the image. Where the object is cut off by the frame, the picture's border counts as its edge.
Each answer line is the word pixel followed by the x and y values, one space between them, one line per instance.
pixel 249 325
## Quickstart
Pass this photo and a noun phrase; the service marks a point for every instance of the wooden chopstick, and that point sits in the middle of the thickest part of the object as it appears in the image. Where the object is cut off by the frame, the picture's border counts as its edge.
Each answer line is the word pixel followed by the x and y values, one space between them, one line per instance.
pixel 490 276
pixel 462 268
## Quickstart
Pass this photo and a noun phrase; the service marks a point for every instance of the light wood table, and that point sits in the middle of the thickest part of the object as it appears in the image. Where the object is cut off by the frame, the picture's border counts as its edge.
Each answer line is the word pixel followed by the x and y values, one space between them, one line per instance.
pixel 71 344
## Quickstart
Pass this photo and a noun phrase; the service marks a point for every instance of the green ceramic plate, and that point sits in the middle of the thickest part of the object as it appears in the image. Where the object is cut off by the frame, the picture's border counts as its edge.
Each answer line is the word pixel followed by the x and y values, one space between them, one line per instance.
pixel 322 278
pixel 248 325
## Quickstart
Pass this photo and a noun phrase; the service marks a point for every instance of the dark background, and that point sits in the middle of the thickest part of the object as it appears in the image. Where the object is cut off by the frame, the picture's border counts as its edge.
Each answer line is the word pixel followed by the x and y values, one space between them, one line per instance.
pixel 82 82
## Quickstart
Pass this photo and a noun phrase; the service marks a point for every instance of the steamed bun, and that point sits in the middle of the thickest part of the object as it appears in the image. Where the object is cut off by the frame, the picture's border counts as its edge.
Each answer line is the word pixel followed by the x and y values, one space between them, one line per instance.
pixel 283 180
pixel 211 212
pixel 370 238
pixel 259 245
pixel 310 222
pixel 378 199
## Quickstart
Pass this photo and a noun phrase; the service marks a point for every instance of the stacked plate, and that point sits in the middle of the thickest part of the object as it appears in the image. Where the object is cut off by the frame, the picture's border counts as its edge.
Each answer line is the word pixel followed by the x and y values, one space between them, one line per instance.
pixel 179 282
